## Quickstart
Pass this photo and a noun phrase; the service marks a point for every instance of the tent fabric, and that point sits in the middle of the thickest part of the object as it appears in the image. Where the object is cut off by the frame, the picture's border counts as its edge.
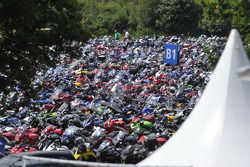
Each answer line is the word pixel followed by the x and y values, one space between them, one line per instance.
pixel 244 73
pixel 217 132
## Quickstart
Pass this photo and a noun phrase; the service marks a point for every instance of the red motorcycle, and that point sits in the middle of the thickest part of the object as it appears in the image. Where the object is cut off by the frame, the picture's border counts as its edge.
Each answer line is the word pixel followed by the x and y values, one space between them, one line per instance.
pixel 51 129
pixel 152 142
pixel 9 135
pixel 114 125
pixel 48 107
pixel 22 148
pixel 30 136
pixel 65 97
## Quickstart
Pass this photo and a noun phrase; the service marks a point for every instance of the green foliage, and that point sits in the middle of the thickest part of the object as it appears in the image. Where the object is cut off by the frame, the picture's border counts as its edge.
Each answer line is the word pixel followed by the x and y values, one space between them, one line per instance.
pixel 29 28
pixel 104 17
pixel 247 44
pixel 147 14
pixel 140 16
pixel 177 16
pixel 220 16
pixel 248 52
pixel 113 15
pixel 241 17
pixel 216 17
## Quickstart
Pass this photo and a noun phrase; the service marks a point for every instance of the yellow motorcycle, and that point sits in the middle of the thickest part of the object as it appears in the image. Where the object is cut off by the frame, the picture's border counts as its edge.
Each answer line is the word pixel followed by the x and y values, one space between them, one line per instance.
pixel 85 154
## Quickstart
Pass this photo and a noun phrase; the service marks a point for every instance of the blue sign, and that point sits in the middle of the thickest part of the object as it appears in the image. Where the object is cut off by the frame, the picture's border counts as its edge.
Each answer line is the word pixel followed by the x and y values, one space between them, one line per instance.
pixel 171 54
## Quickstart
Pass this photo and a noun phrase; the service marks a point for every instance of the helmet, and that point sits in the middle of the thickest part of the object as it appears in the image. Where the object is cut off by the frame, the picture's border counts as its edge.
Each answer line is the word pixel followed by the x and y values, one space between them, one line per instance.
pixel 82 147
pixel 79 141
pixel 58 131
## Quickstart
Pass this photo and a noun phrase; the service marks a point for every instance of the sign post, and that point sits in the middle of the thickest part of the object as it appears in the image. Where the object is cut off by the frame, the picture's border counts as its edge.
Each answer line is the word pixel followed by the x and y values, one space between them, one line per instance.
pixel 171 54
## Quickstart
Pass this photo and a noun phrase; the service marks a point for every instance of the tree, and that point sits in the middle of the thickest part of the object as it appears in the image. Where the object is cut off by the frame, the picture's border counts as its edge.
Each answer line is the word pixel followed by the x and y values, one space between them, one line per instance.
pixel 103 17
pixel 177 16
pixel 29 28
pixel 241 17
pixel 112 16
pixel 216 17
pixel 147 13
pixel 220 16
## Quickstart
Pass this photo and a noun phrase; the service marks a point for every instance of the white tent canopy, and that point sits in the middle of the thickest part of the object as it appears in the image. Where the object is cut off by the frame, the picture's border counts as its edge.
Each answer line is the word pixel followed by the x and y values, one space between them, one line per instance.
pixel 217 132
pixel 244 73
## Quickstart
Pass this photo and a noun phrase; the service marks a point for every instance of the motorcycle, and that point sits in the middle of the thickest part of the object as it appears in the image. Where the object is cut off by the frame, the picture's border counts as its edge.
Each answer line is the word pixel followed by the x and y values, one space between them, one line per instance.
pixel 133 153
pixel 84 153
pixel 25 135
pixel 69 136
pixel 114 125
pixel 22 148
pixel 53 143
pixel 107 152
